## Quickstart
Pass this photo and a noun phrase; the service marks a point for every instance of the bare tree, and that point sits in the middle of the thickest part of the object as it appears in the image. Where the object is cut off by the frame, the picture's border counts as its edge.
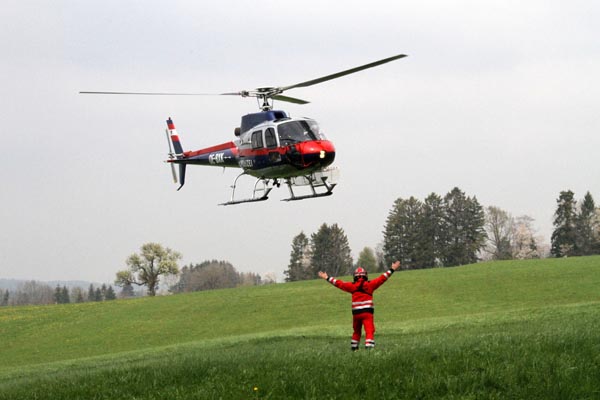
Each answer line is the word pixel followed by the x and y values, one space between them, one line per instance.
pixel 32 292
pixel 499 226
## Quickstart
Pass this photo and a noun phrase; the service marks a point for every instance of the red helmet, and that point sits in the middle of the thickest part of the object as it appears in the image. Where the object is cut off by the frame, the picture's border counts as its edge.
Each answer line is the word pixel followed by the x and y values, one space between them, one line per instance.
pixel 360 271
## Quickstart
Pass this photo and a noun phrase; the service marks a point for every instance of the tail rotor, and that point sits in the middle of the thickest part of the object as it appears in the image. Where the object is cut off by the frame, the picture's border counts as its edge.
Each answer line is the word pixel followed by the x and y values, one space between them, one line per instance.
pixel 171 157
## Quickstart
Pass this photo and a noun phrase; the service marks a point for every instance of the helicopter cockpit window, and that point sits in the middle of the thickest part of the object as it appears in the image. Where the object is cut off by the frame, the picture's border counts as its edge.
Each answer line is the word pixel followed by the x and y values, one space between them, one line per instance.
pixel 257 142
pixel 270 139
pixel 297 131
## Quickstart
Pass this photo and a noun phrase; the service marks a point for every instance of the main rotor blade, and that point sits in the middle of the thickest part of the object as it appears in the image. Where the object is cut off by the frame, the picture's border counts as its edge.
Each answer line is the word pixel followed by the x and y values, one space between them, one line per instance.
pixel 158 94
pixel 340 74
pixel 290 99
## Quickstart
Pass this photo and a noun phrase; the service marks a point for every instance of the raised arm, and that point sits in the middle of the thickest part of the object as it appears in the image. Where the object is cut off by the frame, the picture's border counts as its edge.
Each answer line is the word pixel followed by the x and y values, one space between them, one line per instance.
pixel 345 286
pixel 375 283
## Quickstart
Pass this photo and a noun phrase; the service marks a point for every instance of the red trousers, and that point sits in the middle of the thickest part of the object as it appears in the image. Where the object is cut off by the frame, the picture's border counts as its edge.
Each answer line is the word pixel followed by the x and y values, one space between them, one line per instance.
pixel 358 321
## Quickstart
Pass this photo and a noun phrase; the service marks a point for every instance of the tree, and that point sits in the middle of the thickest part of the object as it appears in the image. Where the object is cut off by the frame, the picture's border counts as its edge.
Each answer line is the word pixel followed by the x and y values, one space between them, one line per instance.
pixel 499 226
pixel 249 279
pixel 330 251
pixel 299 266
pixel 146 267
pixel 464 228
pixel 367 260
pixel 61 295
pixel 77 293
pixel 432 233
pixel 64 294
pixel 32 292
pixel 380 256
pixel 596 245
pixel 210 275
pixel 5 298
pixel 402 233
pixel 91 295
pixel 127 291
pixel 110 294
pixel 524 245
pixel 57 295
pixel 585 226
pixel 564 235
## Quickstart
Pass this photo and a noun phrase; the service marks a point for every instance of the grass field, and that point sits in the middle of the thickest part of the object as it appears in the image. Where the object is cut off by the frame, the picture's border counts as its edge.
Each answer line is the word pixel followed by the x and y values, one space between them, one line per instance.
pixel 515 329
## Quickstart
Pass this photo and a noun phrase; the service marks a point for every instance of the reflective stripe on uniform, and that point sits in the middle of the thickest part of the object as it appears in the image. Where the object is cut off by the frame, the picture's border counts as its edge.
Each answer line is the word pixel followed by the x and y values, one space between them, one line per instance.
pixel 359 305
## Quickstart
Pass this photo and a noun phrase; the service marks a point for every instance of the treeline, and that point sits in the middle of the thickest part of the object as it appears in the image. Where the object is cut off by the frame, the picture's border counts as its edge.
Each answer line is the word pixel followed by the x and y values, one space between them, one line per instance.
pixel 37 293
pixel 210 275
pixel 155 261
pixel 449 231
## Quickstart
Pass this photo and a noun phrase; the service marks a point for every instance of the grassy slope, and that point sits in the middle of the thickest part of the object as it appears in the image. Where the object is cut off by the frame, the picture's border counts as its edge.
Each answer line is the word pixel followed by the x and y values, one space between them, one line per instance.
pixel 31 335
pixel 433 312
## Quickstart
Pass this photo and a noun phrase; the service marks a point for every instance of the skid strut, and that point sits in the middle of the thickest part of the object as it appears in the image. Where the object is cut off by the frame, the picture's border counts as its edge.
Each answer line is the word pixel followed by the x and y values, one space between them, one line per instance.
pixel 328 191
pixel 260 192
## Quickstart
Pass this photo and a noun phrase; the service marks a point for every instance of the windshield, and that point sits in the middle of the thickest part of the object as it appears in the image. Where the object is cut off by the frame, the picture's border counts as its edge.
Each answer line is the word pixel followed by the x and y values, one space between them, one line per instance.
pixel 298 131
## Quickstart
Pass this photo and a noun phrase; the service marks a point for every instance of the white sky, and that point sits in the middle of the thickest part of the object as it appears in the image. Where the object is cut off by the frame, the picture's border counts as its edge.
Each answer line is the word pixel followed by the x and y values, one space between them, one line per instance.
pixel 499 98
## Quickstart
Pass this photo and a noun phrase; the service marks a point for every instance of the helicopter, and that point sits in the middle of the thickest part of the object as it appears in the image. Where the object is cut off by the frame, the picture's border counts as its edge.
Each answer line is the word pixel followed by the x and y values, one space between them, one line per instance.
pixel 269 145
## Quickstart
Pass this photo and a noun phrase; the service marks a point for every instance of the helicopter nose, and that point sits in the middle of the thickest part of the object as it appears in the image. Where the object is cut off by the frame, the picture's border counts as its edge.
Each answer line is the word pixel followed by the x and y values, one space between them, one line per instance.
pixel 318 152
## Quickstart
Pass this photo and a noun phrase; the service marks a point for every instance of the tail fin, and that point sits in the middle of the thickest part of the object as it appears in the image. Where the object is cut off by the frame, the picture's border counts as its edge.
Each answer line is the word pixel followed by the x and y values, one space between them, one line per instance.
pixel 178 154
pixel 175 138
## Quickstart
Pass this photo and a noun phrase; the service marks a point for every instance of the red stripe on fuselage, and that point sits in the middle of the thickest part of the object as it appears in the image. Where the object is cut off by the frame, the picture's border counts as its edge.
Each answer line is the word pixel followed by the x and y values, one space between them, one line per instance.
pixel 219 147
pixel 309 147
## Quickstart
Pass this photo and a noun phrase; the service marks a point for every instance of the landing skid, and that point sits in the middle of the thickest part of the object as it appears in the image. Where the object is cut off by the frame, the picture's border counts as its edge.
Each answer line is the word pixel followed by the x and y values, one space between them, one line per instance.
pixel 260 193
pixel 315 194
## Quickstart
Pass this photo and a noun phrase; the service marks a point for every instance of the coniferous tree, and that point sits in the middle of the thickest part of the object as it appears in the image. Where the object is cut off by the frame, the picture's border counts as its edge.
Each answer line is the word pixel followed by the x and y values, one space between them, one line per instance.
pixel 78 294
pixel 64 295
pixel 432 232
pixel 127 291
pixel 402 233
pixel 98 295
pixel 585 226
pixel 57 295
pixel 564 237
pixel 91 295
pixel 330 251
pixel 110 294
pixel 464 225
pixel 5 298
pixel 299 266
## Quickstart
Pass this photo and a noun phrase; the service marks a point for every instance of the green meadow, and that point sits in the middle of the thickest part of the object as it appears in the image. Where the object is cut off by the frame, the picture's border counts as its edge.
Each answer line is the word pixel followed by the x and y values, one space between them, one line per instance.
pixel 497 330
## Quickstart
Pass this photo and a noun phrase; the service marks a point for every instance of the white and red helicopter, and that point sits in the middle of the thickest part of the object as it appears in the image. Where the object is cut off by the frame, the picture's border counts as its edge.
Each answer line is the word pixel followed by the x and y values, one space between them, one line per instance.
pixel 269 145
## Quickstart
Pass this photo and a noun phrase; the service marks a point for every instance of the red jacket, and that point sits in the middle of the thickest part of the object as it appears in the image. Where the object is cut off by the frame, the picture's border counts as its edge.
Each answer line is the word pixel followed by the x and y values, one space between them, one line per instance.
pixel 362 291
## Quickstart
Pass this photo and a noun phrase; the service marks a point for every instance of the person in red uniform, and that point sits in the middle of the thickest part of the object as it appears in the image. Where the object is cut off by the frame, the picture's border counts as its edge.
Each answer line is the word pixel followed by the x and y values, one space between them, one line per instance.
pixel 362 301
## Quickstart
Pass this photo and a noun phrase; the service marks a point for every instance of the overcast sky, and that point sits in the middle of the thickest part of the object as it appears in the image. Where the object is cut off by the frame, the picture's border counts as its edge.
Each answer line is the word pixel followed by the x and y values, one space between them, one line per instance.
pixel 499 98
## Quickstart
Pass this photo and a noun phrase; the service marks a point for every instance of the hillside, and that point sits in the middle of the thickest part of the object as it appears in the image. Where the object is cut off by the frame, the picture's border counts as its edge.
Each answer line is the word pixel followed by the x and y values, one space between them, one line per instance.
pixel 480 299
pixel 83 330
